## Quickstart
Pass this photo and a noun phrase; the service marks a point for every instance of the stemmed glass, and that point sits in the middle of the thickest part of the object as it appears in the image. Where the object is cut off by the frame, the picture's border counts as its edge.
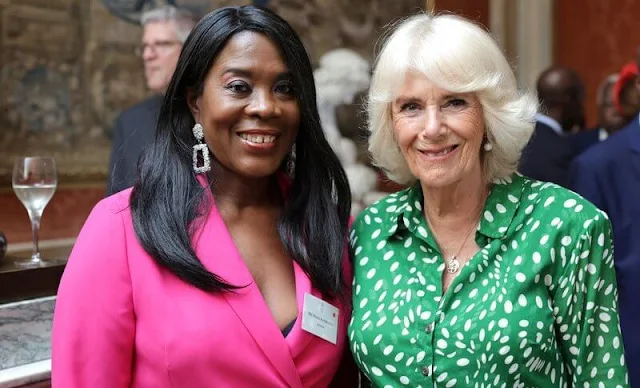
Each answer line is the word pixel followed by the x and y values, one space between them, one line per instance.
pixel 34 182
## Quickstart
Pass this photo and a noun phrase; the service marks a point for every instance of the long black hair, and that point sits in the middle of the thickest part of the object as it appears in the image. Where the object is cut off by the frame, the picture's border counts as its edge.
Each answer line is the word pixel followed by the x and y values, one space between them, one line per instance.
pixel 167 200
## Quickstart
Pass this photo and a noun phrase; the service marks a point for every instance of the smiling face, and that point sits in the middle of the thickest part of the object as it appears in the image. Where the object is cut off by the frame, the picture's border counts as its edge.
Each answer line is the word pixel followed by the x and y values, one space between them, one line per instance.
pixel 248 108
pixel 438 132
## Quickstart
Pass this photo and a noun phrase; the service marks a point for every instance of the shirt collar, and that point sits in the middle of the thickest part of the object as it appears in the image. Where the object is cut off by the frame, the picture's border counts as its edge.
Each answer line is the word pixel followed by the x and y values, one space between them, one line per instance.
pixel 500 208
pixel 602 134
pixel 400 207
pixel 404 209
pixel 550 122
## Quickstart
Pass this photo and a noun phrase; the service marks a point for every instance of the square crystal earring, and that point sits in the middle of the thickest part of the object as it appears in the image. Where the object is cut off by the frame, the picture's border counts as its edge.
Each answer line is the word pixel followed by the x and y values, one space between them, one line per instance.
pixel 200 148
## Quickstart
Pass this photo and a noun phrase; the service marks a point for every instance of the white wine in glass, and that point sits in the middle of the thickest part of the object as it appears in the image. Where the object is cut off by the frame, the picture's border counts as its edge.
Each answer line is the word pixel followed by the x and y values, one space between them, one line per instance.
pixel 34 182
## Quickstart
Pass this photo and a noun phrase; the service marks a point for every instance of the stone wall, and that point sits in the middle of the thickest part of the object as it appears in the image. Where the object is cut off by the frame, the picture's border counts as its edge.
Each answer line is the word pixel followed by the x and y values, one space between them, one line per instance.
pixel 67 67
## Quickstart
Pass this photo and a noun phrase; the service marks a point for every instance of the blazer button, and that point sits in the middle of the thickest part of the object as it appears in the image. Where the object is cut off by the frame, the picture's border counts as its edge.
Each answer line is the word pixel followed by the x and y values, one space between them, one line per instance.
pixel 429 328
pixel 426 370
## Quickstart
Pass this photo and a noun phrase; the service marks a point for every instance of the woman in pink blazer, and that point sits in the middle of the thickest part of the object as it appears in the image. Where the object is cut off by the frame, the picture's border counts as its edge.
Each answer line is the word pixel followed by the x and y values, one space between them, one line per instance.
pixel 226 265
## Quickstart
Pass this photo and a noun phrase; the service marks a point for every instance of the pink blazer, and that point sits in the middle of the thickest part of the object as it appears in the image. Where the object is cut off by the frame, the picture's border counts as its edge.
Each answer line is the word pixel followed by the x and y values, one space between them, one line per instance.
pixel 123 321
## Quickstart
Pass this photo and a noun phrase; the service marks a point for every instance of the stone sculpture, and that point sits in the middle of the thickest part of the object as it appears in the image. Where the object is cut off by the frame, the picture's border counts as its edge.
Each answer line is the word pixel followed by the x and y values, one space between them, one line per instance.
pixel 341 75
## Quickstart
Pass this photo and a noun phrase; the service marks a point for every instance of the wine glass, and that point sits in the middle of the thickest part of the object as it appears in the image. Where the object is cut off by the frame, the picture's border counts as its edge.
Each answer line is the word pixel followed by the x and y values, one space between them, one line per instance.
pixel 34 182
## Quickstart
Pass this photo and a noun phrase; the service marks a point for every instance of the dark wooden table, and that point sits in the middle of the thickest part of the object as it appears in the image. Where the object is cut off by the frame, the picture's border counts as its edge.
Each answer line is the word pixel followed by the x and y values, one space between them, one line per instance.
pixel 17 283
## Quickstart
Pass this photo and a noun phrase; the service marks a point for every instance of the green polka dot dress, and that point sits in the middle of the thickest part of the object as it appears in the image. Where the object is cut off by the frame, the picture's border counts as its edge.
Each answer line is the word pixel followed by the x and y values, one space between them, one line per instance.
pixel 535 307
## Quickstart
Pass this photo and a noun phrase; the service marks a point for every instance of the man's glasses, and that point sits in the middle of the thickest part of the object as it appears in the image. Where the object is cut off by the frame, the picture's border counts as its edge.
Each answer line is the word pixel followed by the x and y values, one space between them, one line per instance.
pixel 158 47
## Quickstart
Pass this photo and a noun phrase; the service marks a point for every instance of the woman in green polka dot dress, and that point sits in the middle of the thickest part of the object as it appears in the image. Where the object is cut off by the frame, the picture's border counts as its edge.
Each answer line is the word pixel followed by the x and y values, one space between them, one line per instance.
pixel 474 276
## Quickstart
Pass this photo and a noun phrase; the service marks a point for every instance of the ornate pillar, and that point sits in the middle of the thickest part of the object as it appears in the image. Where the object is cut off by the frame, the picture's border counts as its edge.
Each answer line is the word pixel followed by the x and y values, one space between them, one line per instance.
pixel 430 5
pixel 524 29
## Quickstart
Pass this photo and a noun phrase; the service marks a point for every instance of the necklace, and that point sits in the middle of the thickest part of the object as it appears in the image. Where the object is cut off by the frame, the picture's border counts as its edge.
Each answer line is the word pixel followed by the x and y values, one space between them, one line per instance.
pixel 453 265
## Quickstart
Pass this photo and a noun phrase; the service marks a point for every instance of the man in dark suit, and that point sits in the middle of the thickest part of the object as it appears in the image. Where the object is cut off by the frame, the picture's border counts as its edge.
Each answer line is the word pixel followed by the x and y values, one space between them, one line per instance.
pixel 610 120
pixel 548 155
pixel 164 31
pixel 608 174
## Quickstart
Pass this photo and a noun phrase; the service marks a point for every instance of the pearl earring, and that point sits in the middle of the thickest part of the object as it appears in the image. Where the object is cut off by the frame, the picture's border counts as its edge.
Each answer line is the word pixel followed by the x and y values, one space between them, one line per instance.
pixel 488 146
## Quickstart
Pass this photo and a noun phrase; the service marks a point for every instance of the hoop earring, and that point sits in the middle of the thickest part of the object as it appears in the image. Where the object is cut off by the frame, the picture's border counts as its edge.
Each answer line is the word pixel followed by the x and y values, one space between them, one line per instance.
pixel 198 133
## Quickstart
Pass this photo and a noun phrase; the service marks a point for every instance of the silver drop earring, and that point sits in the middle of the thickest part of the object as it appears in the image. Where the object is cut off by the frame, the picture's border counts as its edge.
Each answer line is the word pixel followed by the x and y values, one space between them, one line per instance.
pixel 198 133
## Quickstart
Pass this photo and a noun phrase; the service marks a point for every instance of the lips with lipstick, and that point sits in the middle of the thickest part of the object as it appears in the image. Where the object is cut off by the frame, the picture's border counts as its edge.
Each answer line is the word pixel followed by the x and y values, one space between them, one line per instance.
pixel 440 152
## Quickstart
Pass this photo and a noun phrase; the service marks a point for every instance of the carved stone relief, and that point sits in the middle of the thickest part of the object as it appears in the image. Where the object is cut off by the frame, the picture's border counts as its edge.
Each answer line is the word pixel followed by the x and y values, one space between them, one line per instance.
pixel 329 24
pixel 62 84
pixel 67 68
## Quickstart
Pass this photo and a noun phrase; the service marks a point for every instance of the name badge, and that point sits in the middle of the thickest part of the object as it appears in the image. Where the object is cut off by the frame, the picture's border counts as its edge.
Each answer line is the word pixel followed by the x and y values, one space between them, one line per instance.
pixel 320 318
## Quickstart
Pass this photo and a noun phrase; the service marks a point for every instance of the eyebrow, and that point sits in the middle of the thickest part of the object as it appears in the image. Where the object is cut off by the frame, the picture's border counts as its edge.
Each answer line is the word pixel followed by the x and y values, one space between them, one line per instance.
pixel 248 73
pixel 405 99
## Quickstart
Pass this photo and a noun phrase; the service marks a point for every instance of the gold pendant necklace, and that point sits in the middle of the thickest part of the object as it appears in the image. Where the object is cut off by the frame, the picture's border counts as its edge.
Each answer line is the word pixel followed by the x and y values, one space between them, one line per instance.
pixel 453 265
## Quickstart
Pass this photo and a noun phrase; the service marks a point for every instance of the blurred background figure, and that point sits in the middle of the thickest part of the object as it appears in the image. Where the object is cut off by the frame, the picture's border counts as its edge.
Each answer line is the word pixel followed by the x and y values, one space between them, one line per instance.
pixel 610 119
pixel 625 94
pixel 607 174
pixel 164 31
pixel 549 153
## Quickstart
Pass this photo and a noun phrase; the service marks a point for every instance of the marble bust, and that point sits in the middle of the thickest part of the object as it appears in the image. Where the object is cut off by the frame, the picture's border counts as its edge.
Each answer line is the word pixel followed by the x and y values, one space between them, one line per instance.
pixel 342 74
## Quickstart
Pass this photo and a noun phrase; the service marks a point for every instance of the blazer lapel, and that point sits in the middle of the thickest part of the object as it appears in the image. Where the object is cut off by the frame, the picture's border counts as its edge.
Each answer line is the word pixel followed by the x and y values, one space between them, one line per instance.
pixel 217 251
pixel 298 338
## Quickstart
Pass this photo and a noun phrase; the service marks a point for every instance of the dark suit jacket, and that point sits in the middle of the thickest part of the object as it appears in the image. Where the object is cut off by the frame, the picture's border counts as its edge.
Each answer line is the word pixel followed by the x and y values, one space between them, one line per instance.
pixel 585 139
pixel 547 156
pixel 608 174
pixel 134 130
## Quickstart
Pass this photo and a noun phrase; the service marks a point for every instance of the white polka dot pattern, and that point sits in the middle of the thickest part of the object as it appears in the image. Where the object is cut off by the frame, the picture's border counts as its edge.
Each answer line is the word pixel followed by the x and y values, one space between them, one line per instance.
pixel 535 307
